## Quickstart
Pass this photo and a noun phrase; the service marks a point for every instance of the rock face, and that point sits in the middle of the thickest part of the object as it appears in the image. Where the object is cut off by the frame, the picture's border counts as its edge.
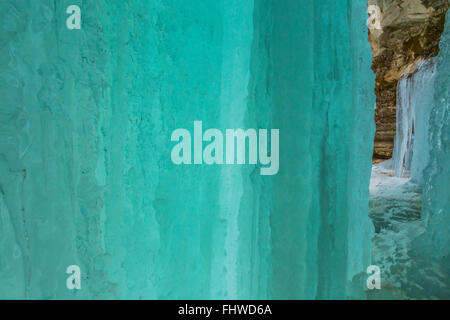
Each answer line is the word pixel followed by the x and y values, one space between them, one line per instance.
pixel 410 32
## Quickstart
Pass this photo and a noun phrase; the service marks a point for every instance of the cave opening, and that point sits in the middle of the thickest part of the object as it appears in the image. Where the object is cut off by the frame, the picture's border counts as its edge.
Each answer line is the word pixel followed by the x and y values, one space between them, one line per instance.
pixel 404 51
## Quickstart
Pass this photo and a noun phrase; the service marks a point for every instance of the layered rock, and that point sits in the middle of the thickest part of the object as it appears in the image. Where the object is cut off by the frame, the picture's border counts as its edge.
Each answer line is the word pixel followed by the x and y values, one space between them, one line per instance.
pixel 410 32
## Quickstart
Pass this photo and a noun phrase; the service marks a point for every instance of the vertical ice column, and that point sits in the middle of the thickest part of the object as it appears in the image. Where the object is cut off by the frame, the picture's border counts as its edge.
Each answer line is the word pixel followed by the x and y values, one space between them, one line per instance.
pixel 435 242
pixel 52 81
pixel 424 81
pixel 321 90
pixel 414 102
pixel 404 128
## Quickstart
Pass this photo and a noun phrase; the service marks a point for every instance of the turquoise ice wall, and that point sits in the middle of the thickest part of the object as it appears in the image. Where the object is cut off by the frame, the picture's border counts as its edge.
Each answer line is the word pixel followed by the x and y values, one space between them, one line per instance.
pixel 434 244
pixel 85 171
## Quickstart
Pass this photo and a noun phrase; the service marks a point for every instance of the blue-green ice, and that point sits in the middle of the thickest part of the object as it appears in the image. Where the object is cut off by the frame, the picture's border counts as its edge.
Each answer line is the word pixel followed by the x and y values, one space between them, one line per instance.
pixel 86 176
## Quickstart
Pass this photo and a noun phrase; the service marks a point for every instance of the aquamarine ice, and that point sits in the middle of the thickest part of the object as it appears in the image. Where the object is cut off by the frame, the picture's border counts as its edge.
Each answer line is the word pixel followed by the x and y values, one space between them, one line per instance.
pixel 86 176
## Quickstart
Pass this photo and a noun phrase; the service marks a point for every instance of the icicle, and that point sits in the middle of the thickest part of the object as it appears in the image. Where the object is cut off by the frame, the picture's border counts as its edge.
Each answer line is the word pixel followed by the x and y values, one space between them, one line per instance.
pixel 423 103
pixel 414 101
pixel 404 129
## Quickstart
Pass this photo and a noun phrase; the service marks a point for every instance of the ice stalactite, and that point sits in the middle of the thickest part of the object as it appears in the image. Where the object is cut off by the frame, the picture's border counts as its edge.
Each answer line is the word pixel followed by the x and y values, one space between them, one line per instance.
pixel 414 103
pixel 404 132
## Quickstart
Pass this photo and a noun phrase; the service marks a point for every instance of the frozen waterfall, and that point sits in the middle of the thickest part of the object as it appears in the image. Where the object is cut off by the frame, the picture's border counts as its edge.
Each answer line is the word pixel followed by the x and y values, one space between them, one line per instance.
pixel 414 103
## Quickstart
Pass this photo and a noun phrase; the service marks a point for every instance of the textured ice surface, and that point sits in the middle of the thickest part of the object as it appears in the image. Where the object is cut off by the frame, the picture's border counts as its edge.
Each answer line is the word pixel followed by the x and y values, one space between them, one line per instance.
pixel 392 199
pixel 395 206
pixel 85 172
pixel 414 104
pixel 435 243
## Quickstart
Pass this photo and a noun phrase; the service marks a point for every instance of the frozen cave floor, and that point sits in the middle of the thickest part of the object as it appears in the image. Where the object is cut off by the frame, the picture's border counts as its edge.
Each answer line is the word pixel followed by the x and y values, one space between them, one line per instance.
pixel 395 205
